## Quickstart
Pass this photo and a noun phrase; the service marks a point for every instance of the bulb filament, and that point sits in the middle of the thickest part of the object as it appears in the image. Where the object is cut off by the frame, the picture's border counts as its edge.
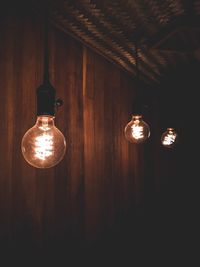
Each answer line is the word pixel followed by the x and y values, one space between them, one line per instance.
pixel 137 132
pixel 43 146
pixel 169 139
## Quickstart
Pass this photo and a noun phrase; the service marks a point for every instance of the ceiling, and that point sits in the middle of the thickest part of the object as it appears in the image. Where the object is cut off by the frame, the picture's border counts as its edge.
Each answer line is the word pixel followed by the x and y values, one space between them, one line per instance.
pixel 167 32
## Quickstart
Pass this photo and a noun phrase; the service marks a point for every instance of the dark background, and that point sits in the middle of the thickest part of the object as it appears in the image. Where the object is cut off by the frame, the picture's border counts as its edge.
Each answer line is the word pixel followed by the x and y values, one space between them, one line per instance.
pixel 108 201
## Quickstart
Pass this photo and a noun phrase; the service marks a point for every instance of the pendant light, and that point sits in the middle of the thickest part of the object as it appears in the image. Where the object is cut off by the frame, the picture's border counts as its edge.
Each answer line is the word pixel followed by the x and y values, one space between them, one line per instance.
pixel 137 130
pixel 43 145
pixel 169 138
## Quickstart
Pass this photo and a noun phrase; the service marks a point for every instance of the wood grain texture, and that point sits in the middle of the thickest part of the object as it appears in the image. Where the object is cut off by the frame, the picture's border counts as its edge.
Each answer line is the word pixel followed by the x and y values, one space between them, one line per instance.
pixel 113 176
pixel 99 180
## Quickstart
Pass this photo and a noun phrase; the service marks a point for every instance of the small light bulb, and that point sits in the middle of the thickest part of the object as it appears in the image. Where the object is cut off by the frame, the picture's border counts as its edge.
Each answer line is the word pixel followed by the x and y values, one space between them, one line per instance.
pixel 137 131
pixel 169 138
pixel 43 145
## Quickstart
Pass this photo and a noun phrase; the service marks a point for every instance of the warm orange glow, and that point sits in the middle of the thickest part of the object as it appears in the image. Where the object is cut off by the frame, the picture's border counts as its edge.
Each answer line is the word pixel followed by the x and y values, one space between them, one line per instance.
pixel 137 131
pixel 43 146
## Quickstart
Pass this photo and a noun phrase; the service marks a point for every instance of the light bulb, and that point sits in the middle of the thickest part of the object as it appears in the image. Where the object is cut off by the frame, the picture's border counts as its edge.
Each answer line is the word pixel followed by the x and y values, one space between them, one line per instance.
pixel 43 145
pixel 169 138
pixel 137 131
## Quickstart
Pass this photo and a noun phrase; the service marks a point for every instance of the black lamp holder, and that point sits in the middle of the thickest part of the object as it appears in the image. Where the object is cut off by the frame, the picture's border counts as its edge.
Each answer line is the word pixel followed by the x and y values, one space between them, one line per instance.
pixel 46 93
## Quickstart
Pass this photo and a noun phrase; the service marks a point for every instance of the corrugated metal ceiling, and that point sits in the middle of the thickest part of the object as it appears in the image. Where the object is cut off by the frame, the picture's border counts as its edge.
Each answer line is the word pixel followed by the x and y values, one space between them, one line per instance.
pixel 167 32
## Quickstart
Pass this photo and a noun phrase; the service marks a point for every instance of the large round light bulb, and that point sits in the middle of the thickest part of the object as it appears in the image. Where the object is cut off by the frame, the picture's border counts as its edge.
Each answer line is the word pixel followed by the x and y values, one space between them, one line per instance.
pixel 43 145
pixel 169 138
pixel 137 131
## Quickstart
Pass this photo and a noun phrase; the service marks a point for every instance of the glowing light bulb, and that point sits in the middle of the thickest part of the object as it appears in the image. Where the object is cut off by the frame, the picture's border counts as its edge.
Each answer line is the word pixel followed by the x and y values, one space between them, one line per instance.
pixel 43 146
pixel 169 138
pixel 137 131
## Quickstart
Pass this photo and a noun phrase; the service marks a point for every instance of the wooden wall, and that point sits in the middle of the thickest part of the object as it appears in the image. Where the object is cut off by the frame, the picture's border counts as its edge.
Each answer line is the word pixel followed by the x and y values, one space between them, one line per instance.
pixel 100 180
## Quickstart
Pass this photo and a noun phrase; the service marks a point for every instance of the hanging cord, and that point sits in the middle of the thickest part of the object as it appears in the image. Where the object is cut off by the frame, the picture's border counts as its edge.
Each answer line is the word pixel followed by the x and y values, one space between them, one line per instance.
pixel 136 62
pixel 46 92
pixel 46 47
pixel 136 95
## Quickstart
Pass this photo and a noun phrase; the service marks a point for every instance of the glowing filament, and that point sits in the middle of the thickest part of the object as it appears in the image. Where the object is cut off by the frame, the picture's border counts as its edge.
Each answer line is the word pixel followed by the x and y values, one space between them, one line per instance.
pixel 43 146
pixel 169 139
pixel 137 131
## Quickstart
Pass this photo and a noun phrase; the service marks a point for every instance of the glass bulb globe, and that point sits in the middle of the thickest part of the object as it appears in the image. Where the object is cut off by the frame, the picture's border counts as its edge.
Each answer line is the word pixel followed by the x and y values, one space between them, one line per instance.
pixel 169 138
pixel 137 131
pixel 43 145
